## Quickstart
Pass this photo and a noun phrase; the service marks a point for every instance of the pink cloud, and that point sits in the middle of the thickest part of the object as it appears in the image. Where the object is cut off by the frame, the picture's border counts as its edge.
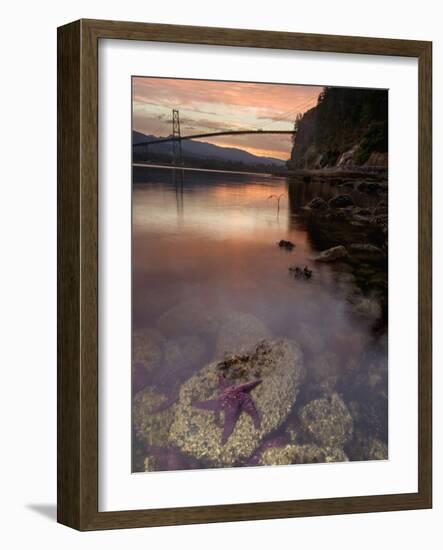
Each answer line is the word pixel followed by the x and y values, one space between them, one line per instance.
pixel 206 105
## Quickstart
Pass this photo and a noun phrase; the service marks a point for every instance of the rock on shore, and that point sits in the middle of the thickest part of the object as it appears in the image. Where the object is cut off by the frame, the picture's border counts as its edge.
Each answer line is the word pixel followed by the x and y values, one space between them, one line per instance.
pixel 332 254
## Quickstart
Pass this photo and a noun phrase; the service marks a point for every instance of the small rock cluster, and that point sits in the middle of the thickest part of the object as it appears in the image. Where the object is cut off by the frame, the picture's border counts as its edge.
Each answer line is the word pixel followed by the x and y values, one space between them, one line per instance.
pixel 287 245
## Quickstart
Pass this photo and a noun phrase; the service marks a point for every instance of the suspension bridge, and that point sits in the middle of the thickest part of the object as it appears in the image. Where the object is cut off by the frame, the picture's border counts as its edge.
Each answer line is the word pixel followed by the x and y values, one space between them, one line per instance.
pixel 142 147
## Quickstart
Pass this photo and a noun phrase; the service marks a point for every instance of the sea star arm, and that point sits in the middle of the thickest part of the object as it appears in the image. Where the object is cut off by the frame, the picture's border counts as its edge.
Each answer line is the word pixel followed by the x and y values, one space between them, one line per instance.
pixel 232 412
pixel 248 386
pixel 250 408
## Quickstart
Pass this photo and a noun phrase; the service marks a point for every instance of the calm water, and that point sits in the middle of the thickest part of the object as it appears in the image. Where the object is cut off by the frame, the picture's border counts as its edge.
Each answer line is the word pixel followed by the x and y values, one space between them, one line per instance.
pixel 210 238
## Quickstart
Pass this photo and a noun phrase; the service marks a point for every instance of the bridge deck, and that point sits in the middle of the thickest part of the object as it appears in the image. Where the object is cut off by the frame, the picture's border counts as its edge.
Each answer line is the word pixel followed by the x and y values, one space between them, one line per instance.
pixel 211 134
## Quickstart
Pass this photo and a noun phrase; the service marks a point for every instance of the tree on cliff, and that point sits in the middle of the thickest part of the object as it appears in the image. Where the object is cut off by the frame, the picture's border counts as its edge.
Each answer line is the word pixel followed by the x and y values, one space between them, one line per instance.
pixel 342 119
pixel 296 126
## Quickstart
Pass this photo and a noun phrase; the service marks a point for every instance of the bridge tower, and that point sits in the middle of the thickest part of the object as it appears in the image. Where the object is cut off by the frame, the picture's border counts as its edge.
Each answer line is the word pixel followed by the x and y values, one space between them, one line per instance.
pixel 177 156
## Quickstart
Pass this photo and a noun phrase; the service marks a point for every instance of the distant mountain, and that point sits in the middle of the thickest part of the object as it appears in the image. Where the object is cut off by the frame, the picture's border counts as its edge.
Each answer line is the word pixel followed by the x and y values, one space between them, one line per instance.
pixel 201 150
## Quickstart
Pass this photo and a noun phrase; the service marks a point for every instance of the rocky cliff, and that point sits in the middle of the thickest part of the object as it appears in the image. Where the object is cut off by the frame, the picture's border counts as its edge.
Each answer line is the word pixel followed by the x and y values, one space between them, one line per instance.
pixel 348 128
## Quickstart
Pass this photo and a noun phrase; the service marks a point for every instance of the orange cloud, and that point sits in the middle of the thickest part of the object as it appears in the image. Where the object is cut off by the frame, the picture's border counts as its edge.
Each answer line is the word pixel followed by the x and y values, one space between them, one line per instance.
pixel 219 105
pixel 267 98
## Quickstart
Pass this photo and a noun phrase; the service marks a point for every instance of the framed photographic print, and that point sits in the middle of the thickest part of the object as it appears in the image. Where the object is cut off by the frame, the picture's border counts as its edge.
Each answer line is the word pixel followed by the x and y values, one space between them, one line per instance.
pixel 244 275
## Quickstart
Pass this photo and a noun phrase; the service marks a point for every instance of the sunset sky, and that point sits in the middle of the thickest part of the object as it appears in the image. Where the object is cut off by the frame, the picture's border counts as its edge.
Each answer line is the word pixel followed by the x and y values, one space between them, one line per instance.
pixel 207 106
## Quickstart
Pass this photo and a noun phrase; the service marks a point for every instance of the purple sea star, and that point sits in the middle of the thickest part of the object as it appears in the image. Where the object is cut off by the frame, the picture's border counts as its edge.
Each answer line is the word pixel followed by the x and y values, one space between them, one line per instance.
pixel 233 400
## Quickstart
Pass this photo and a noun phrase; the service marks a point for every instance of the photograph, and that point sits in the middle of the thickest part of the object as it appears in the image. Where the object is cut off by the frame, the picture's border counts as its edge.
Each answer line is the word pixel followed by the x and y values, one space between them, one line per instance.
pixel 259 274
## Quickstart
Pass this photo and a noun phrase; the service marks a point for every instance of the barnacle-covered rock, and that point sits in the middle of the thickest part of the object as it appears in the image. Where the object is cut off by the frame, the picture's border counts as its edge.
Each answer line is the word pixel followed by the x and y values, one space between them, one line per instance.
pixel 364 447
pixel 239 332
pixel 152 417
pixel 328 421
pixel 378 450
pixel 301 454
pixel 198 433
pixel 161 459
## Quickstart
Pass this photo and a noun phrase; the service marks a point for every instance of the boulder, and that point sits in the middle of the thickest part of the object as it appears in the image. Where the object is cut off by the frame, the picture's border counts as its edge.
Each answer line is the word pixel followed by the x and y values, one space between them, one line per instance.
pixel 369 187
pixel 239 332
pixel 317 203
pixel 328 421
pixel 348 184
pixel 151 422
pixel 332 254
pixel 160 459
pixel 147 358
pixel 301 454
pixel 198 433
pixel 366 249
pixel 147 349
pixel 363 447
pixel 378 450
pixel 341 201
pixel 365 307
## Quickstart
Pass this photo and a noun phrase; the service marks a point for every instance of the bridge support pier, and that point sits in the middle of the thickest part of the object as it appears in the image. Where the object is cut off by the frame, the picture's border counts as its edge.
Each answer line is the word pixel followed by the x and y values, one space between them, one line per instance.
pixel 177 154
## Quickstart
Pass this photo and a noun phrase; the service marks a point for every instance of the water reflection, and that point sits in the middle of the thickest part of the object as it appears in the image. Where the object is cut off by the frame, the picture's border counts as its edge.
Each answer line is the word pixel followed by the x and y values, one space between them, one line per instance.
pixel 209 239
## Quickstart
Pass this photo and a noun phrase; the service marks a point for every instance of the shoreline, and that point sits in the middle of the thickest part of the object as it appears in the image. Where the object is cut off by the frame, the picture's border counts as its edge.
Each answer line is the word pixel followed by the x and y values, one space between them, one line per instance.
pixel 341 173
pixel 190 168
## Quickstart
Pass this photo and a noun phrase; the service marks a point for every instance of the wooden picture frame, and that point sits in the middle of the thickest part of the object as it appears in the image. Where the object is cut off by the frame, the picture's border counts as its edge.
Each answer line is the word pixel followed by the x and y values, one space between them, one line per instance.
pixel 78 274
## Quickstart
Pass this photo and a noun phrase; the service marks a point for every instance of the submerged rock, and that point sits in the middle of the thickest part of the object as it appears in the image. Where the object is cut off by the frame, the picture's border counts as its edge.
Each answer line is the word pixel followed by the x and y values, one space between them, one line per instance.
pixel 366 249
pixel 160 459
pixel 152 422
pixel 198 433
pixel 317 203
pixel 328 421
pixel 287 245
pixel 147 348
pixel 301 454
pixel 332 254
pixel 364 447
pixel 300 273
pixel 341 201
pixel 378 450
pixel 365 307
pixel 349 184
pixel 239 332
pixel 369 186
